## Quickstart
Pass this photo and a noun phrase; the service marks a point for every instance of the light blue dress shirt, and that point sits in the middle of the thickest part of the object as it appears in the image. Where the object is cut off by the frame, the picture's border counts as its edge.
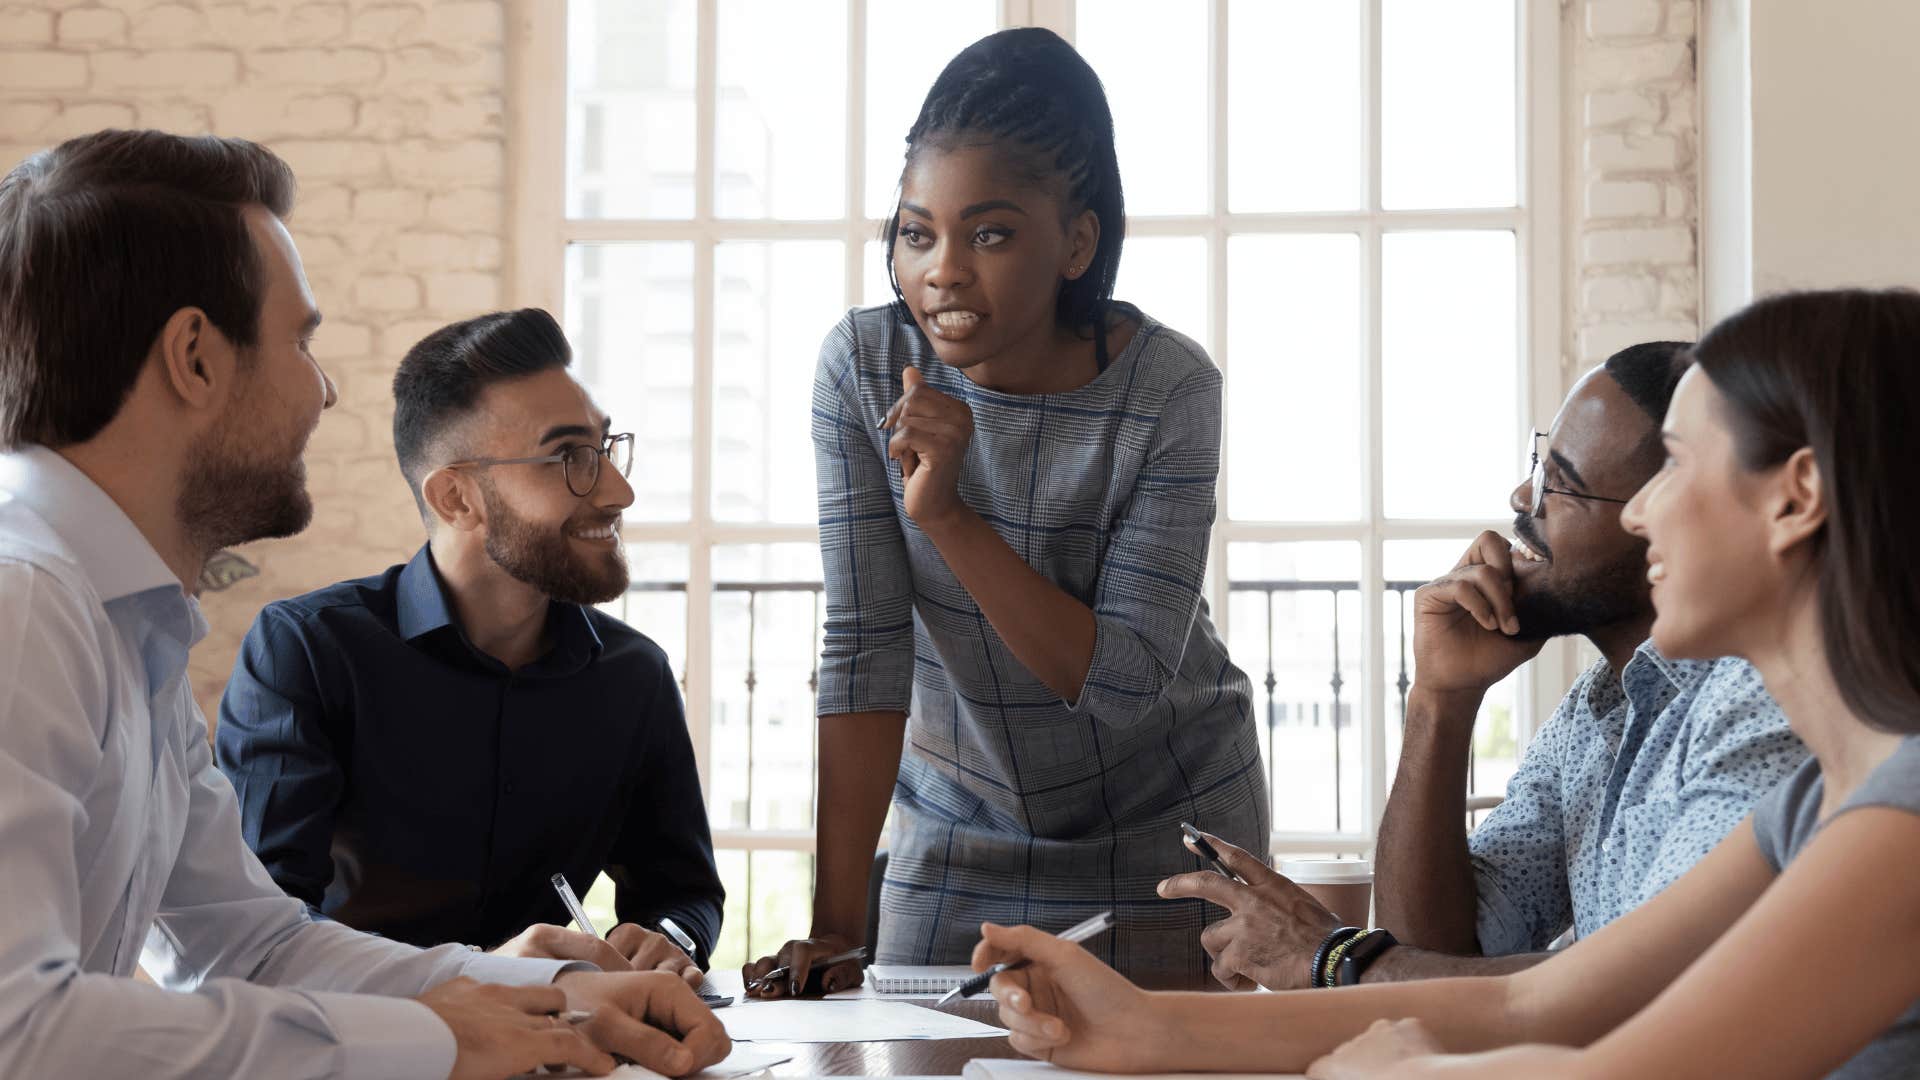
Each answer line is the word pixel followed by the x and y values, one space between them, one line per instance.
pixel 1632 781
pixel 118 832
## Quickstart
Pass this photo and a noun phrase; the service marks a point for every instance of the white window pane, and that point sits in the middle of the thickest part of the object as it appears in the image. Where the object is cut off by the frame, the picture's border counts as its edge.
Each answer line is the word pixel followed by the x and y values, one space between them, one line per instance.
pixel 781 140
pixel 630 108
pixel 908 44
pixel 1408 564
pixel 1293 377
pixel 1294 105
pixel 769 902
pixel 1293 612
pixel 1166 277
pixel 773 304
pixel 1447 110
pixel 1152 58
pixel 629 315
pixel 874 286
pixel 1449 339
pixel 767 612
pixel 655 602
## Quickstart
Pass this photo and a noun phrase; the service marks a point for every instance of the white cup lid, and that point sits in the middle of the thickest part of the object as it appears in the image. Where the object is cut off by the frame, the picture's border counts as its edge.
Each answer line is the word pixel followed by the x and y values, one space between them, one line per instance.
pixel 1327 871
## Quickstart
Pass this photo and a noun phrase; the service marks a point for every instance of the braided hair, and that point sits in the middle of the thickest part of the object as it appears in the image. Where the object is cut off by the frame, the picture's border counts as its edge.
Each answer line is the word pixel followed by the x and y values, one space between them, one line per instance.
pixel 1030 94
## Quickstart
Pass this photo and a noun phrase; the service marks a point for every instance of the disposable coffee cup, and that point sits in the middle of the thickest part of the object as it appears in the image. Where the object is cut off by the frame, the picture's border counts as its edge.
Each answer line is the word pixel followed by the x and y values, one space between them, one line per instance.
pixel 1343 886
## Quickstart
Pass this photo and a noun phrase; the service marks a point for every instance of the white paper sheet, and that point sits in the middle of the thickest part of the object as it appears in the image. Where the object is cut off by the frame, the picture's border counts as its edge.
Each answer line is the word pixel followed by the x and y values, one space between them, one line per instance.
pixel 785 1020
pixel 743 1061
pixel 1028 1069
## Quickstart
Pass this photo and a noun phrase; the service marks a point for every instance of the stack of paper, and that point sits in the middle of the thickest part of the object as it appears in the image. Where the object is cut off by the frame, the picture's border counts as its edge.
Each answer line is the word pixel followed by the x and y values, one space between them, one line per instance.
pixel 744 1061
pixel 861 1020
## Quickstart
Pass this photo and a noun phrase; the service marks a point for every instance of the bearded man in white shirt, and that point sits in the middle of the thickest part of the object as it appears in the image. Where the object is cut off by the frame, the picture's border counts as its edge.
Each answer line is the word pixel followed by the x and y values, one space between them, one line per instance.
pixel 157 391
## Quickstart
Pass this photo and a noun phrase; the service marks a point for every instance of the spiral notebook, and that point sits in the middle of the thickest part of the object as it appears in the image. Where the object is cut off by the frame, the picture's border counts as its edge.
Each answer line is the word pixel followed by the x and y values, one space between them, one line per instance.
pixel 896 980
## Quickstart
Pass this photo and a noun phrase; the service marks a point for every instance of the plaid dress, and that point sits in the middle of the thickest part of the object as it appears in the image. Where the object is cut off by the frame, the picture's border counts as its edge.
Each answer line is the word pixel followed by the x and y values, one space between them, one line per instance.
pixel 1011 804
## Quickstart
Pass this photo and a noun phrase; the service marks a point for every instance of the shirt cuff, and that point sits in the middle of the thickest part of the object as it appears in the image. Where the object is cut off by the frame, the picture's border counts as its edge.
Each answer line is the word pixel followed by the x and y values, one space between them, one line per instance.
pixel 518 970
pixel 387 1036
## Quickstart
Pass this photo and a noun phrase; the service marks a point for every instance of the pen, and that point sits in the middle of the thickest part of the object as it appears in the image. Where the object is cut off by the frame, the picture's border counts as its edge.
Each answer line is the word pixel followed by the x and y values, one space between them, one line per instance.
pixel 1198 843
pixel 573 904
pixel 858 953
pixel 1097 925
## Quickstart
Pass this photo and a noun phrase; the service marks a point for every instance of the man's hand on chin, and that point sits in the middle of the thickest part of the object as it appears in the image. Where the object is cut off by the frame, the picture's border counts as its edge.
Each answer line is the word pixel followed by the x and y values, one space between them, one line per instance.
pixel 652 1018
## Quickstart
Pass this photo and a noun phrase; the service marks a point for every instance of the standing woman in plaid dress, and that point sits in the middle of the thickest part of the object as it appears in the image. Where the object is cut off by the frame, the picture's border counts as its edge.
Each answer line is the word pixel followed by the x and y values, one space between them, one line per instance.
pixel 1016 487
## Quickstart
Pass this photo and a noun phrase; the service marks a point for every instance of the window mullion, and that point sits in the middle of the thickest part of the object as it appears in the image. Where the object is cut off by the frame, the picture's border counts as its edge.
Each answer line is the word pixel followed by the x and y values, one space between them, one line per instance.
pixel 856 207
pixel 1373 552
pixel 700 551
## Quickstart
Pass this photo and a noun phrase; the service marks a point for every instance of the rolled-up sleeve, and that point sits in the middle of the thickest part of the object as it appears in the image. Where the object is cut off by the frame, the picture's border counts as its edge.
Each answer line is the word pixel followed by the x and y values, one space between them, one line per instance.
pixel 1148 590
pixel 866 659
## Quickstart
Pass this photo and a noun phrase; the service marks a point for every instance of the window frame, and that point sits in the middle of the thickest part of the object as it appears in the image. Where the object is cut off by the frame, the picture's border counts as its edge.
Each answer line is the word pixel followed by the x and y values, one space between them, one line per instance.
pixel 538 232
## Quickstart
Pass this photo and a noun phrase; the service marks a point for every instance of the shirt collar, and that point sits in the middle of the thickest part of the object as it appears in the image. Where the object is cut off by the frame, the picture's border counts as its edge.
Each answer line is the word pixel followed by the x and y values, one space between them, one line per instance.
pixel 1681 673
pixel 110 549
pixel 422 598
pixel 422 608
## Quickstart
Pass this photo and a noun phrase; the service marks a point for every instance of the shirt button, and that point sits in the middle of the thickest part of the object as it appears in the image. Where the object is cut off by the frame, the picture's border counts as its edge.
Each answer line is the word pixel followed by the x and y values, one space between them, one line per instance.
pixel 508 788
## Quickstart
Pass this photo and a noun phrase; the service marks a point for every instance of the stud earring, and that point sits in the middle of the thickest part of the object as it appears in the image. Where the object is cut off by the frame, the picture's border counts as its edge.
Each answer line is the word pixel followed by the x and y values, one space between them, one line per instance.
pixel 1074 270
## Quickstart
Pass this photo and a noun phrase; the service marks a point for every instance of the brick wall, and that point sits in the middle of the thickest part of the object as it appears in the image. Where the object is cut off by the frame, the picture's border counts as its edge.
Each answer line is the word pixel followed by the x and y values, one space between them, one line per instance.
pixel 392 114
pixel 1632 263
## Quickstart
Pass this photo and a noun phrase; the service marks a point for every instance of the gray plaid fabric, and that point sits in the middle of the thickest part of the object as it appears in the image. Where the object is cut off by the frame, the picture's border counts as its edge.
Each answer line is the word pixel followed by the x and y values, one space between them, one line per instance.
pixel 1013 805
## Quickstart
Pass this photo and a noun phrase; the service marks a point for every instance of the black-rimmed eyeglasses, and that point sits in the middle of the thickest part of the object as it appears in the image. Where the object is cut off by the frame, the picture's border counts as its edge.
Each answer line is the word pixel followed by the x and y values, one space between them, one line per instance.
pixel 579 464
pixel 1538 483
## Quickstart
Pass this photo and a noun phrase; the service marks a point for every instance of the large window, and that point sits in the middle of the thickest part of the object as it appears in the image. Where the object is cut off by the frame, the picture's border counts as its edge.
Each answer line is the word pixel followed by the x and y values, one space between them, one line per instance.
pixel 1343 200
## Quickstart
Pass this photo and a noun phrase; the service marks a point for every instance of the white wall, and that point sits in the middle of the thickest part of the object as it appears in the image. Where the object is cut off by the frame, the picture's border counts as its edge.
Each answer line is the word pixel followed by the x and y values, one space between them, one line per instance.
pixel 1832 169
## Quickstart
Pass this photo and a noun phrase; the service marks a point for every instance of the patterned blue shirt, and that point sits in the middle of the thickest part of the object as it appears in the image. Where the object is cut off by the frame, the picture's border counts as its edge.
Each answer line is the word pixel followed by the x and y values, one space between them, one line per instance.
pixel 1012 804
pixel 1630 783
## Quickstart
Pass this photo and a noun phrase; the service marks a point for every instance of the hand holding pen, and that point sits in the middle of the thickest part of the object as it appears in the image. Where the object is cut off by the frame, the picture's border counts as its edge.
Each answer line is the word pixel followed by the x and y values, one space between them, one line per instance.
pixel 670 950
pixel 1075 934
pixel 1060 1003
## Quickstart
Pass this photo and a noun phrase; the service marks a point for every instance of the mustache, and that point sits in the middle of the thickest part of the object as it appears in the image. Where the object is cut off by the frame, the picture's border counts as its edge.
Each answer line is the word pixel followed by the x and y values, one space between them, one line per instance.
pixel 590 520
pixel 1523 528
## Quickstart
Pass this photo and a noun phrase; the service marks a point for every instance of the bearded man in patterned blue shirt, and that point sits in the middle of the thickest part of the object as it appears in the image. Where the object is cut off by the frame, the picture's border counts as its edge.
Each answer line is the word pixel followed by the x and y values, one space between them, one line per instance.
pixel 1644 767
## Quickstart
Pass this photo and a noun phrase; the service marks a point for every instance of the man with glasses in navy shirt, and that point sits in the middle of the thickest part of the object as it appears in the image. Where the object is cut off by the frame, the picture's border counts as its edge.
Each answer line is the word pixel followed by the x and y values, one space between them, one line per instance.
pixel 419 752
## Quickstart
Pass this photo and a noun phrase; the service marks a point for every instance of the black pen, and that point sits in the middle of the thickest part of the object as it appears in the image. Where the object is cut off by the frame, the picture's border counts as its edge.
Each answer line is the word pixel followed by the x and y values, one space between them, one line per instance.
pixel 1198 842
pixel 1095 926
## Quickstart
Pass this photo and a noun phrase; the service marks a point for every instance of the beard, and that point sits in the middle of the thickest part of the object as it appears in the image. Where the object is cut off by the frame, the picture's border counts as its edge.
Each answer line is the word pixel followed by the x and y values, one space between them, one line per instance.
pixel 544 558
pixel 233 494
pixel 1599 596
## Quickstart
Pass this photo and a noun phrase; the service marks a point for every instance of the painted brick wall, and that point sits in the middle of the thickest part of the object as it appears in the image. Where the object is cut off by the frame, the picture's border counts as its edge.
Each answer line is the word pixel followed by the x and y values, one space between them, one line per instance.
pixel 1633 252
pixel 392 114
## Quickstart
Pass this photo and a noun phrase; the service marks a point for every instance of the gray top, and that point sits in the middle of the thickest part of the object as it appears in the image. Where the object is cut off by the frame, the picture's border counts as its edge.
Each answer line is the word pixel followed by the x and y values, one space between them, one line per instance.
pixel 1013 804
pixel 1785 822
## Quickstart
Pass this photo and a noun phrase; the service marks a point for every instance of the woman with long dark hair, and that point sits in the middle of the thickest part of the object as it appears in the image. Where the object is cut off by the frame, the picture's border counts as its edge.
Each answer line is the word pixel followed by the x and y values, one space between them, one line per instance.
pixel 1781 529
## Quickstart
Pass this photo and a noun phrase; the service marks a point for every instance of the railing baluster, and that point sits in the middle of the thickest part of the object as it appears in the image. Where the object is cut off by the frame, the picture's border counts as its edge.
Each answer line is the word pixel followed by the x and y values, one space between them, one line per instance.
pixel 1404 682
pixel 1273 761
pixel 1336 682
pixel 813 711
pixel 751 617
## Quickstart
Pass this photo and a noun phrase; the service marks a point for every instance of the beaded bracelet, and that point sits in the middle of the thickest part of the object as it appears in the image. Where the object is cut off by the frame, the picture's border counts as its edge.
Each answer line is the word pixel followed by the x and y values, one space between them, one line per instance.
pixel 1339 935
pixel 1332 968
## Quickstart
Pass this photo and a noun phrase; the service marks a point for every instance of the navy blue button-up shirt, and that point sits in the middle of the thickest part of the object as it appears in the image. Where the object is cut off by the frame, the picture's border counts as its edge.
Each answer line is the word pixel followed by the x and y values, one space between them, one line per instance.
pixel 401 781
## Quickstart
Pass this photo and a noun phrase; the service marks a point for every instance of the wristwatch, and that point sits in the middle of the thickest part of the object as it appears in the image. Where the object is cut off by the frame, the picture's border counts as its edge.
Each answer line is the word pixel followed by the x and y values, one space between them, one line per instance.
pixel 1363 951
